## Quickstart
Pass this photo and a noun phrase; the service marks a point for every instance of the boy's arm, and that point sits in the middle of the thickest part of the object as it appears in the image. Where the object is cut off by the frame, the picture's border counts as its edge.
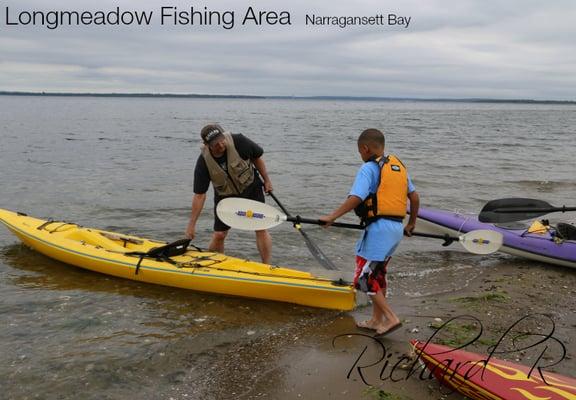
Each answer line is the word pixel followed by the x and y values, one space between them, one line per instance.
pixel 349 204
pixel 414 206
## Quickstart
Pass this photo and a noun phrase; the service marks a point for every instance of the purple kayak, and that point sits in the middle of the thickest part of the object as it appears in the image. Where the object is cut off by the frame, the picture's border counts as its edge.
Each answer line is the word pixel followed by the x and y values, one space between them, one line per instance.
pixel 517 241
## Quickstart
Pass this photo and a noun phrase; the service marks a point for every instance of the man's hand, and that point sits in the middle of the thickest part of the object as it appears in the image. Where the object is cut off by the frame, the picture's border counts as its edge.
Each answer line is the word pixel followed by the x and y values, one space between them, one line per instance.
pixel 190 231
pixel 267 185
pixel 197 205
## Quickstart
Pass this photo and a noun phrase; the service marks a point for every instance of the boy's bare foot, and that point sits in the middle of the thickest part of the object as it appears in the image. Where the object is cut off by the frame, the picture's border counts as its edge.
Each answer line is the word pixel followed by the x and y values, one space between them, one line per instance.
pixel 368 324
pixel 387 328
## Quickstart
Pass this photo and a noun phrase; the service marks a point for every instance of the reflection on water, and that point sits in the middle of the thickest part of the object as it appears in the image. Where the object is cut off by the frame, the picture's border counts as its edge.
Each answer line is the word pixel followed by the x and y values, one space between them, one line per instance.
pixel 112 334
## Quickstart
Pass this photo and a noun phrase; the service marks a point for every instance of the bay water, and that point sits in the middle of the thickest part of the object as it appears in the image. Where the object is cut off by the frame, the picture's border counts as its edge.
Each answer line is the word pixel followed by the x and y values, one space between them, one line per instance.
pixel 127 165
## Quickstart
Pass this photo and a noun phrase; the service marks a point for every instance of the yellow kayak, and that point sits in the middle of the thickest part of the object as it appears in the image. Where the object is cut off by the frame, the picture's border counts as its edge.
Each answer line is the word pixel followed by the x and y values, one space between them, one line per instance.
pixel 175 265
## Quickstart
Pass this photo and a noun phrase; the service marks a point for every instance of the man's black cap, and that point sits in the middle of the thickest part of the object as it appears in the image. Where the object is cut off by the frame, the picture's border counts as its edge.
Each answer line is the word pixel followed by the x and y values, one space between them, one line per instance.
pixel 211 132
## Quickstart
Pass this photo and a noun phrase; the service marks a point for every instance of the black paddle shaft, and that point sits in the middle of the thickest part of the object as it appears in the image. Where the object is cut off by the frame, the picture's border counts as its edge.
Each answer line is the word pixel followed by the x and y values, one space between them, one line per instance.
pixel 284 210
pixel 312 247
pixel 536 210
pixel 298 220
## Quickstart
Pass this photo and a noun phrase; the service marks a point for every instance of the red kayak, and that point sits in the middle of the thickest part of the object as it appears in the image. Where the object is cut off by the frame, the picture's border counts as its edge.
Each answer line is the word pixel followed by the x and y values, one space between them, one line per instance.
pixel 469 374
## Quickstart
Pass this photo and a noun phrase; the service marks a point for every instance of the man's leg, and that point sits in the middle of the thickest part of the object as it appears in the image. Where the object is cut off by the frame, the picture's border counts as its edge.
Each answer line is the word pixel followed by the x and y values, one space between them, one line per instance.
pixel 264 244
pixel 217 243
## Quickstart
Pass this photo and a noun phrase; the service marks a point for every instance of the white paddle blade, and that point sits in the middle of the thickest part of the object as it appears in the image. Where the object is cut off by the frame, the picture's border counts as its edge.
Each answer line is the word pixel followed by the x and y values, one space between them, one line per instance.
pixel 248 215
pixel 482 241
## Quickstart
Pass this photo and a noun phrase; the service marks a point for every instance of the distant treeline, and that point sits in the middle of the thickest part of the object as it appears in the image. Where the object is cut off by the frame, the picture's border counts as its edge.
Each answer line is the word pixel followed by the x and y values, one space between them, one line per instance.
pixel 155 95
pixel 233 96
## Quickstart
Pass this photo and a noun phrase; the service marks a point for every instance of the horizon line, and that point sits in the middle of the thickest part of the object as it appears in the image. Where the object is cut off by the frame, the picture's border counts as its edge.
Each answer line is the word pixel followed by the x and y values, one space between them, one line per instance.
pixel 250 97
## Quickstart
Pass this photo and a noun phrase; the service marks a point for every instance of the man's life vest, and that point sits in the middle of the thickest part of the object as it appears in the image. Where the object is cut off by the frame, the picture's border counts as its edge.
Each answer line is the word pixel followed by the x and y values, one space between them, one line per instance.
pixel 391 197
pixel 238 175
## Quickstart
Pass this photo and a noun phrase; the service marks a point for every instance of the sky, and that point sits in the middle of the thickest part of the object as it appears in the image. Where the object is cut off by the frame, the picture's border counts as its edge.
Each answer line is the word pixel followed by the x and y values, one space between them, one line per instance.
pixel 451 49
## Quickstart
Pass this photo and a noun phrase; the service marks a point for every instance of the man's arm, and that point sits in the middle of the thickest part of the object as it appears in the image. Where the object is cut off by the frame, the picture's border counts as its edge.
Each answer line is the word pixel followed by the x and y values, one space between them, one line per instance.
pixel 247 149
pixel 261 167
pixel 197 206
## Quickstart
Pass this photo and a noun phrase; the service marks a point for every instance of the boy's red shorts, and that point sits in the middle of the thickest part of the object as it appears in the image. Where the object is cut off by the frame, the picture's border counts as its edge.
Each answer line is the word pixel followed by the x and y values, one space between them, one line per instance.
pixel 370 276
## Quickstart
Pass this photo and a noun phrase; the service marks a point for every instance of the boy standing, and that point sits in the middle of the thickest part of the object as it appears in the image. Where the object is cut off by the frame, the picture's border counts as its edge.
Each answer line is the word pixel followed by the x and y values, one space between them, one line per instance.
pixel 379 196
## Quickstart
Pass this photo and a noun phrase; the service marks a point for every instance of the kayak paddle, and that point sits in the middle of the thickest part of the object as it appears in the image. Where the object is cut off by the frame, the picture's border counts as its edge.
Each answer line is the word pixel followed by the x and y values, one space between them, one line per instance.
pixel 312 247
pixel 250 215
pixel 517 209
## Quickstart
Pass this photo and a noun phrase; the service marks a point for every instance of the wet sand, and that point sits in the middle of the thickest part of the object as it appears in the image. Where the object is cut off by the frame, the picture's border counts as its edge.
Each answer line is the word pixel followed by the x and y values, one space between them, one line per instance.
pixel 305 361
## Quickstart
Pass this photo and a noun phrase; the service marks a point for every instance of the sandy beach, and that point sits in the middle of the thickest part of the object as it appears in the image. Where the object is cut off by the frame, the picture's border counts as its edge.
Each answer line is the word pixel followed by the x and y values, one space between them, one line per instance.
pixel 318 358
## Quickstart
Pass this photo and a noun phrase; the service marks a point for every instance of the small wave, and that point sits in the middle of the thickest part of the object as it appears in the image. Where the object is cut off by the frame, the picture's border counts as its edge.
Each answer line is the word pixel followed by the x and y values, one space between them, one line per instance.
pixel 545 186
pixel 39 162
pixel 411 119
pixel 177 139
pixel 140 212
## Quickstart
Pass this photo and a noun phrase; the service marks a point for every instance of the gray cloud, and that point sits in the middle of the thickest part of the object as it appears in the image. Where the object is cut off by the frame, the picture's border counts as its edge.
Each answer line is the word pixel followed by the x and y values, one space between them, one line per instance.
pixel 514 49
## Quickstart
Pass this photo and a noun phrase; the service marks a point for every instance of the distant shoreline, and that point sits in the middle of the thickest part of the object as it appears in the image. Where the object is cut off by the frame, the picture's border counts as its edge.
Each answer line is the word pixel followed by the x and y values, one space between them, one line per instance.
pixel 249 97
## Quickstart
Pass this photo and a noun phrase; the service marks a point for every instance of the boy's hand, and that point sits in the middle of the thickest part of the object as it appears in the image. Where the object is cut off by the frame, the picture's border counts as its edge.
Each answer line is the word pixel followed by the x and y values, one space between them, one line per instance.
pixel 327 219
pixel 408 229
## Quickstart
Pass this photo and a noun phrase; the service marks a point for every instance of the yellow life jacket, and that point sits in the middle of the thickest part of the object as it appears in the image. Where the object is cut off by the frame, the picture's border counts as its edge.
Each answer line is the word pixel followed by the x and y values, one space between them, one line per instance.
pixel 539 227
pixel 391 197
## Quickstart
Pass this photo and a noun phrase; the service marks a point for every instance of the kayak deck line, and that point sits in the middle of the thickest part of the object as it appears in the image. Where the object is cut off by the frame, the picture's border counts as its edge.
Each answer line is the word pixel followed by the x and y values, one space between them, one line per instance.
pixel 102 255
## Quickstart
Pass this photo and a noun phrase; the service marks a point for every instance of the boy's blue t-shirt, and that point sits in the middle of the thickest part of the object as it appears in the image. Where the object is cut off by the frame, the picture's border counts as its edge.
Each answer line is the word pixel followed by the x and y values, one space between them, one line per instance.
pixel 382 236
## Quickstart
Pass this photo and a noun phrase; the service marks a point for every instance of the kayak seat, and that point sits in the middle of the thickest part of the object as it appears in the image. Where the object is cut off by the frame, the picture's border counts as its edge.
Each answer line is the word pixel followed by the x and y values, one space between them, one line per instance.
pixel 566 231
pixel 173 249
pixel 162 253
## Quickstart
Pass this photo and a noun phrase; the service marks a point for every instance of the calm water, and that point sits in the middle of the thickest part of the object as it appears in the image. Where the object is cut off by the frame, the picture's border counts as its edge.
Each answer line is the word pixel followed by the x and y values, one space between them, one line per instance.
pixel 127 165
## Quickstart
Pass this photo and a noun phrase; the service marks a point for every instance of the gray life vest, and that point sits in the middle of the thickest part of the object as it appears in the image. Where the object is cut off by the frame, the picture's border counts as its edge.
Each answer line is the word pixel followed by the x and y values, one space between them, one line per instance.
pixel 237 178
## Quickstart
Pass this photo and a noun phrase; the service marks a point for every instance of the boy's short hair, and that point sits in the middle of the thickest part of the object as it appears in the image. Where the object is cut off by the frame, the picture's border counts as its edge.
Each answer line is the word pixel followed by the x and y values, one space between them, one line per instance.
pixel 371 137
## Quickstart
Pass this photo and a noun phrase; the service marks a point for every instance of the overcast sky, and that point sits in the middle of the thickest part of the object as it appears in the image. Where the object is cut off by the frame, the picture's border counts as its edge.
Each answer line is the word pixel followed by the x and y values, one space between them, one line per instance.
pixel 451 49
